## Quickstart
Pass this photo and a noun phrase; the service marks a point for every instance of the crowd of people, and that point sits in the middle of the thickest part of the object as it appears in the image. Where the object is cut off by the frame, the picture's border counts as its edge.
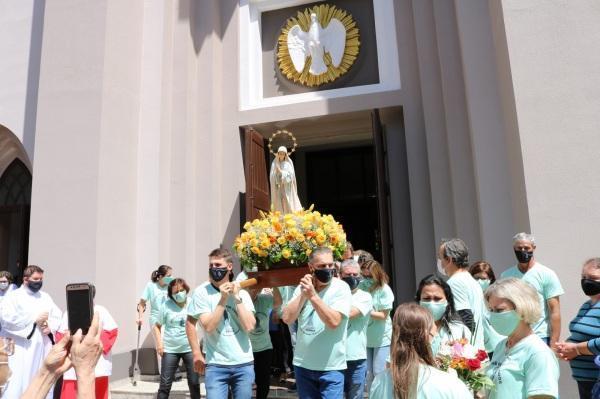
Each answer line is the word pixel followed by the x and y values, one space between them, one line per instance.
pixel 338 325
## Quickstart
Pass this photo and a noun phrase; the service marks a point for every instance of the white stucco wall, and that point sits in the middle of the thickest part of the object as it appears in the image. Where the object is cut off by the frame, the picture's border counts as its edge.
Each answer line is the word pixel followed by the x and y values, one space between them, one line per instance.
pixel 553 54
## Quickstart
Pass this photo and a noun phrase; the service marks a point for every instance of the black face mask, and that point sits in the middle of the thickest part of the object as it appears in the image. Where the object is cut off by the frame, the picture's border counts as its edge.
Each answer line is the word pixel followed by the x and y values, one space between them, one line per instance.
pixel 324 275
pixel 590 287
pixel 352 282
pixel 35 286
pixel 523 256
pixel 218 273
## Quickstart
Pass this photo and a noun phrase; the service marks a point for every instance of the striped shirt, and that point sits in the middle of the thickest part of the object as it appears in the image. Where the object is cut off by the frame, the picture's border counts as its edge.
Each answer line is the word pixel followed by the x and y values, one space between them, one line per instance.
pixel 585 327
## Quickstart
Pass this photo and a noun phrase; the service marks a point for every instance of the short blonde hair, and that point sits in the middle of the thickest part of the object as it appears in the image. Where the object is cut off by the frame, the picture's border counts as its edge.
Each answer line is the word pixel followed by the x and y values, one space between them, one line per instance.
pixel 522 295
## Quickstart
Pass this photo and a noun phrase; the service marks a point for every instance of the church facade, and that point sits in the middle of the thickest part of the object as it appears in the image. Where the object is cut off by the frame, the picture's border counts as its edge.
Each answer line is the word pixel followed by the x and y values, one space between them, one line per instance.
pixel 125 126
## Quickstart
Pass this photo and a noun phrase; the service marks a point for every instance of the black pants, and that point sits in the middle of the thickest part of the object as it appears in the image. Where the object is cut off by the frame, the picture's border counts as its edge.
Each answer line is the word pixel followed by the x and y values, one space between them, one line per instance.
pixel 262 372
pixel 169 364
pixel 585 389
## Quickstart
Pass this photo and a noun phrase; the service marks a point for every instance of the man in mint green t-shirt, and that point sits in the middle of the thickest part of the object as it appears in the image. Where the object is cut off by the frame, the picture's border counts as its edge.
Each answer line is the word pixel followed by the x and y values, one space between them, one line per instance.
pixel 321 304
pixel 226 314
pixel 356 339
pixel 546 283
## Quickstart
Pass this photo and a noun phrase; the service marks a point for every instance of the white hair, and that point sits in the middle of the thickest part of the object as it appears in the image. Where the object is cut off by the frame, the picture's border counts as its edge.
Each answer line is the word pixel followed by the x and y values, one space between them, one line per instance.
pixel 522 295
pixel 350 263
pixel 524 237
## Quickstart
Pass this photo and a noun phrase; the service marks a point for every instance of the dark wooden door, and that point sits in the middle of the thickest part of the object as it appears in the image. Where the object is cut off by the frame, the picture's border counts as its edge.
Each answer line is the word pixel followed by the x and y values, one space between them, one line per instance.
pixel 257 179
pixel 383 193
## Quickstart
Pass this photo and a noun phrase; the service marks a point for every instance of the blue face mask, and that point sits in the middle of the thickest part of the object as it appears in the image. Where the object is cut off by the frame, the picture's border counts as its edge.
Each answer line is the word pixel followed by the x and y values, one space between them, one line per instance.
pixel 505 323
pixel 180 297
pixel 437 309
pixel 168 279
pixel 484 283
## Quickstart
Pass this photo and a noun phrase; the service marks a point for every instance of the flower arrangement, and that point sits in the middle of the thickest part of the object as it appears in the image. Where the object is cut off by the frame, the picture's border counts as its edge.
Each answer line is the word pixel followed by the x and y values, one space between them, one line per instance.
pixel 276 237
pixel 461 358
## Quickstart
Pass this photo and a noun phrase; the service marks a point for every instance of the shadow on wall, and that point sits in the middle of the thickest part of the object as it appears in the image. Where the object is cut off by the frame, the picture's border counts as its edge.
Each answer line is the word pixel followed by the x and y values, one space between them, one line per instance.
pixel 233 229
pixel 206 18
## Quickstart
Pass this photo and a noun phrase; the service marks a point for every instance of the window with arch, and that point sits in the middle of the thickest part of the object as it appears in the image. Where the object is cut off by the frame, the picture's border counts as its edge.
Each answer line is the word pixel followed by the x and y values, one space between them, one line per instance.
pixel 15 185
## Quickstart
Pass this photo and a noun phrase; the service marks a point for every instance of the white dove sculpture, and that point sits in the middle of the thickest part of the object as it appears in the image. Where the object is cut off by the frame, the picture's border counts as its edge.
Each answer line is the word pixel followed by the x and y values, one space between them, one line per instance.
pixel 316 42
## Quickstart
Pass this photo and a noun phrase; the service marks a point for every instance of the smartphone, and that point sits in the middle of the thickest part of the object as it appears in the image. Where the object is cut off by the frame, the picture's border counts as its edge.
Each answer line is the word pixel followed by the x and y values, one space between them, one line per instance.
pixel 80 307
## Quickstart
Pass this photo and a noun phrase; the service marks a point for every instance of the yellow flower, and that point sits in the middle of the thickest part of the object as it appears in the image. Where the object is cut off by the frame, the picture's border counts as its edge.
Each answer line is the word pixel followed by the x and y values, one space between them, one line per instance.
pixel 286 253
pixel 281 240
pixel 299 237
pixel 290 223
pixel 247 226
pixel 263 254
pixel 308 252
pixel 306 225
pixel 255 250
pixel 266 243
pixel 320 238
pixel 254 242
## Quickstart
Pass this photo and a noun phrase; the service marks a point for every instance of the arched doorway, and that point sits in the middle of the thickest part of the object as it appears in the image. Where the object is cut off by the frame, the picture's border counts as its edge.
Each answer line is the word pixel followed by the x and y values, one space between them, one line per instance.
pixel 15 204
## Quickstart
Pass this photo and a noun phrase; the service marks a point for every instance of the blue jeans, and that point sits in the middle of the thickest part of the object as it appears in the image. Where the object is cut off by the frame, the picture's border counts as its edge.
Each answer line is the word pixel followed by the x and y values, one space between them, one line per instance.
pixel 354 379
pixel 169 364
pixel 319 384
pixel 219 378
pixel 376 358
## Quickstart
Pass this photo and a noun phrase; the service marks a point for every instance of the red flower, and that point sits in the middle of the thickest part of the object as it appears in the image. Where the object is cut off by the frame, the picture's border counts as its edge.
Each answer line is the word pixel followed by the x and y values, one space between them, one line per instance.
pixel 481 355
pixel 473 364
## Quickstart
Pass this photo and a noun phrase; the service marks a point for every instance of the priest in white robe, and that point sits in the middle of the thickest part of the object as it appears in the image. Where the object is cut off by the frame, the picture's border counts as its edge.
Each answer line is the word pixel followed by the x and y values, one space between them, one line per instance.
pixel 31 318
pixel 284 193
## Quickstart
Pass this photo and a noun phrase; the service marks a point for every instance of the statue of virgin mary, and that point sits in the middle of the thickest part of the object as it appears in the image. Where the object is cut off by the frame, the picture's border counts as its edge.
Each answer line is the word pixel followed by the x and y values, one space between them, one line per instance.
pixel 284 193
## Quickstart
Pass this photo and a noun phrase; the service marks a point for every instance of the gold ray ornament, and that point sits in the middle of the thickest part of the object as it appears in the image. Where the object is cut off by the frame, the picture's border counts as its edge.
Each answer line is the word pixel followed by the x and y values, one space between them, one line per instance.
pixel 298 36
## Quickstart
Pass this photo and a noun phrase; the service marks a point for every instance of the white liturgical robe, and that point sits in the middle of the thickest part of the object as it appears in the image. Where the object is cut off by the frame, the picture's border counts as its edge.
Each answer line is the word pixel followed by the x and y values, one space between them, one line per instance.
pixel 18 313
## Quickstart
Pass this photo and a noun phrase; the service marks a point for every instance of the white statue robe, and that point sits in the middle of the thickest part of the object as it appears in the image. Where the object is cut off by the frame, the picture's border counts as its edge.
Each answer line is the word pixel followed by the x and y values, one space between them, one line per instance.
pixel 18 313
pixel 284 193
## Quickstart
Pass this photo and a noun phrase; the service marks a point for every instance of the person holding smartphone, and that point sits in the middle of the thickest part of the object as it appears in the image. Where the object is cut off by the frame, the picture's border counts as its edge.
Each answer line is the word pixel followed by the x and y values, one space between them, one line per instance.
pixel 103 369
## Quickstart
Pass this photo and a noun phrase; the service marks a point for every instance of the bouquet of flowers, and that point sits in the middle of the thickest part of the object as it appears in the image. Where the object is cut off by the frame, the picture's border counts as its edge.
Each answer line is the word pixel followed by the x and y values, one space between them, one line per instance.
pixel 461 358
pixel 292 236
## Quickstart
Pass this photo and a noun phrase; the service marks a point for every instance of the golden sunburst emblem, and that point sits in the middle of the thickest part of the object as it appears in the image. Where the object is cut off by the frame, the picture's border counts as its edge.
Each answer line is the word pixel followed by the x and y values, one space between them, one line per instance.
pixel 318 46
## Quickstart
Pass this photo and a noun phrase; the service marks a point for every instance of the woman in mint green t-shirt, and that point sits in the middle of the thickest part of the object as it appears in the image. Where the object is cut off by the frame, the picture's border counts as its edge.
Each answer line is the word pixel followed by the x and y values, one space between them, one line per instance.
pixel 172 343
pixel 412 372
pixel 379 329
pixel 523 366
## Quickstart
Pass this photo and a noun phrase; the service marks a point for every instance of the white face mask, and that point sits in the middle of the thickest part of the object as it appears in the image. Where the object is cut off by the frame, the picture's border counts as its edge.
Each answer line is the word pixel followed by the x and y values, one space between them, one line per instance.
pixel 440 268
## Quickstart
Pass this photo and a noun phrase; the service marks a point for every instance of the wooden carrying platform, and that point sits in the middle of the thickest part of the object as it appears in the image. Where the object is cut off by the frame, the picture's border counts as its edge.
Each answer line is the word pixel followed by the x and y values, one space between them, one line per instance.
pixel 279 277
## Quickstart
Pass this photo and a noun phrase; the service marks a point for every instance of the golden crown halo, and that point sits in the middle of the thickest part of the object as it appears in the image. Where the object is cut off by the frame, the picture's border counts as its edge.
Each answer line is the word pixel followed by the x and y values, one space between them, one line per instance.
pixel 325 13
pixel 284 133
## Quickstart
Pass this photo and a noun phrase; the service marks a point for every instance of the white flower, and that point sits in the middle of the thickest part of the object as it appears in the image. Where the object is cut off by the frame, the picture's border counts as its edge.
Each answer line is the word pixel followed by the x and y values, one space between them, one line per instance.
pixel 469 351
pixel 445 350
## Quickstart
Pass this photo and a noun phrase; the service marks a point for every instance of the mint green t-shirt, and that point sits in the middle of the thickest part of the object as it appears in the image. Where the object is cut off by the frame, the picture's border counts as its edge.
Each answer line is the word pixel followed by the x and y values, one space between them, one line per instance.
pixel 259 337
pixel 457 330
pixel 546 283
pixel 379 332
pixel 286 292
pixel 356 337
pixel 319 348
pixel 172 319
pixel 468 295
pixel 155 295
pixel 229 344
pixel 431 384
pixel 527 369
